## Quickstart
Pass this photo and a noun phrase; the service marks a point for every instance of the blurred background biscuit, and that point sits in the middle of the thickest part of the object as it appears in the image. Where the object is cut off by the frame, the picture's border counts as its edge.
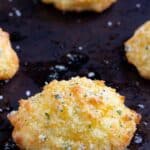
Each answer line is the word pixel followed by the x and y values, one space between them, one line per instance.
pixel 9 62
pixel 81 5
pixel 138 50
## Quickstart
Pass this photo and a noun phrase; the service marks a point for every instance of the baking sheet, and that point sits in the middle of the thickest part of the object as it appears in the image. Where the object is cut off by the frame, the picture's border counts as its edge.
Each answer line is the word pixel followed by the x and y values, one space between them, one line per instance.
pixel 44 38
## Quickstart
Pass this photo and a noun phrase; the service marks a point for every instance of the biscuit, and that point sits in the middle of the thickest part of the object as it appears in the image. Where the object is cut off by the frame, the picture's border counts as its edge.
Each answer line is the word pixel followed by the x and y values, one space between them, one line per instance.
pixel 75 114
pixel 9 62
pixel 138 50
pixel 81 5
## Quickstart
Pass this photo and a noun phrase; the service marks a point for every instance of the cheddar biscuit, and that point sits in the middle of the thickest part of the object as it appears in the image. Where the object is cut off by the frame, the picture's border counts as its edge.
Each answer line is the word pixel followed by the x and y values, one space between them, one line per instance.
pixel 138 50
pixel 81 5
pixel 75 114
pixel 9 62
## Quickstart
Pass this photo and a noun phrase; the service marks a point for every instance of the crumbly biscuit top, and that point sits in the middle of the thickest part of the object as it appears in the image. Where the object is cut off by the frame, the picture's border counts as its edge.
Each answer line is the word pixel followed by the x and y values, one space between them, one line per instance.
pixel 75 114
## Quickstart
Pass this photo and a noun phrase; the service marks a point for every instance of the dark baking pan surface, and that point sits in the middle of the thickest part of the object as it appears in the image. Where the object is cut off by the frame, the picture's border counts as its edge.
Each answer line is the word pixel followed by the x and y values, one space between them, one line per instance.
pixel 55 45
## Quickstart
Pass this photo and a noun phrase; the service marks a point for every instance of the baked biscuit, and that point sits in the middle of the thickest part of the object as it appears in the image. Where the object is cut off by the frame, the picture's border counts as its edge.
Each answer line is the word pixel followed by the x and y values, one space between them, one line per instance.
pixel 138 50
pixel 75 114
pixel 81 5
pixel 9 62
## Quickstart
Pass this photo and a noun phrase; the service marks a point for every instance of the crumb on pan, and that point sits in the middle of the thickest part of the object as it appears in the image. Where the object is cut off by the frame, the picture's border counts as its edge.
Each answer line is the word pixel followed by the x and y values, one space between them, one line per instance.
pixel 75 114
pixel 9 62
pixel 138 50
pixel 81 5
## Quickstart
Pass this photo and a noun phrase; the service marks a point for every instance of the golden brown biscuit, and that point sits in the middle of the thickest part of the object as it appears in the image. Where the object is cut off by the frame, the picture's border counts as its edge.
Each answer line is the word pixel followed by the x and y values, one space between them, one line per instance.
pixel 9 62
pixel 81 5
pixel 75 114
pixel 138 50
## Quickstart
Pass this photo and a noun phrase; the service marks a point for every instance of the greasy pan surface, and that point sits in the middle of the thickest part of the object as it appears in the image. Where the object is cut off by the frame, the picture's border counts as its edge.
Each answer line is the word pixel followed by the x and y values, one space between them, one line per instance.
pixel 43 36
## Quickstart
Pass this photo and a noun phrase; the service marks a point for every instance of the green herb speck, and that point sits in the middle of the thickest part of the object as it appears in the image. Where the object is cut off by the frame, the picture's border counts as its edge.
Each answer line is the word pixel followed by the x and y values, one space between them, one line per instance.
pixel 85 95
pixel 67 146
pixel 121 125
pixel 147 47
pixel 57 96
pixel 119 112
pixel 47 116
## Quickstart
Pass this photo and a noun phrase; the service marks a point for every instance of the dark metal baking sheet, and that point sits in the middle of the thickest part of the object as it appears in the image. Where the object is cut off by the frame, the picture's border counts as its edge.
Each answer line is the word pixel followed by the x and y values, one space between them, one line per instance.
pixel 43 37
